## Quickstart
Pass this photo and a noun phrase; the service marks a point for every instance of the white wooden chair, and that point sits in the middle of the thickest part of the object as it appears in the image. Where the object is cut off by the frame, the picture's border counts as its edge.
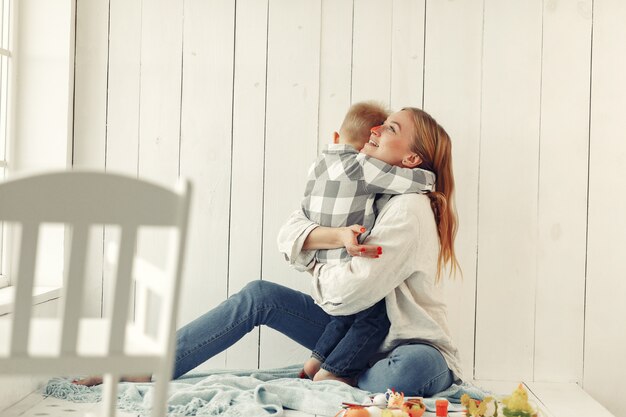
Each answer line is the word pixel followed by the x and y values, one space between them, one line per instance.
pixel 115 345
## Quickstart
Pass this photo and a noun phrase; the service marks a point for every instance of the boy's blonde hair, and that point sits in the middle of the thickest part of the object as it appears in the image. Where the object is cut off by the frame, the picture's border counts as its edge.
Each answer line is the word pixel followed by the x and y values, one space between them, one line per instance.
pixel 361 117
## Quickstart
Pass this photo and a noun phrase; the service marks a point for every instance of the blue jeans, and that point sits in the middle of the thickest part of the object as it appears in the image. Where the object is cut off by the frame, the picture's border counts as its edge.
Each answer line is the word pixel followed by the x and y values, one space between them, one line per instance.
pixel 348 342
pixel 415 369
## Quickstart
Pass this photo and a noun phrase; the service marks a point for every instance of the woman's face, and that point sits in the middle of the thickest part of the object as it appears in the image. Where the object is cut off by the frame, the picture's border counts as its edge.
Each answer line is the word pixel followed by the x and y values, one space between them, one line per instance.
pixel 391 142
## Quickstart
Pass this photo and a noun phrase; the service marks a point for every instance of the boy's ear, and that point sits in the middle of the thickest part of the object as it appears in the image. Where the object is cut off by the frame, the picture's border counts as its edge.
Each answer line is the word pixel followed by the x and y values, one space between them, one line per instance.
pixel 335 137
pixel 412 160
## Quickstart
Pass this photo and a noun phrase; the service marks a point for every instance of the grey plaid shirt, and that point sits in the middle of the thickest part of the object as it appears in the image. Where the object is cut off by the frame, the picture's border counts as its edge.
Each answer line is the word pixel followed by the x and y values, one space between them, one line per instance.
pixel 342 190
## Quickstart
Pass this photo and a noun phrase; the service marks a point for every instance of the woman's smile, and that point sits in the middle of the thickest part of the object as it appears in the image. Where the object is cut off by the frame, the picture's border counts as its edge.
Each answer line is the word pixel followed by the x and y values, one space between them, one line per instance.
pixel 390 142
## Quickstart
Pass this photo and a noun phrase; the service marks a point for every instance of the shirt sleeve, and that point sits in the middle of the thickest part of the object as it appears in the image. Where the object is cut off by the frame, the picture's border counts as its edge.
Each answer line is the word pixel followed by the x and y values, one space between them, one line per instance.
pixel 350 287
pixel 291 237
pixel 382 178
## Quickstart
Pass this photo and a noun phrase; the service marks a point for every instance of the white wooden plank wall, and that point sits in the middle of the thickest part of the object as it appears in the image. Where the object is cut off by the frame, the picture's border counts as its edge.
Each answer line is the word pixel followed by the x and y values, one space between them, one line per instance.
pixel 605 326
pixel 293 50
pixel 90 84
pixel 452 95
pixel 407 53
pixel 562 208
pixel 206 147
pixel 248 146
pixel 371 50
pixel 507 220
pixel 241 96
pixel 335 91
pixel 124 87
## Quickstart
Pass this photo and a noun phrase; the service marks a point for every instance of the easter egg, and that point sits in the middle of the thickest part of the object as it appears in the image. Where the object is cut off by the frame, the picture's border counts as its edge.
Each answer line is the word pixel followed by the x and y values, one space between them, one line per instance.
pixel 357 412
pixel 379 399
pixel 374 411
pixel 393 412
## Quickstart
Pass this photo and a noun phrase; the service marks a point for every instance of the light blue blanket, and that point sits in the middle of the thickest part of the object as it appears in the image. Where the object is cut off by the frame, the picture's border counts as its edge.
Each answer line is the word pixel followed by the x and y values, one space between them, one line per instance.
pixel 241 393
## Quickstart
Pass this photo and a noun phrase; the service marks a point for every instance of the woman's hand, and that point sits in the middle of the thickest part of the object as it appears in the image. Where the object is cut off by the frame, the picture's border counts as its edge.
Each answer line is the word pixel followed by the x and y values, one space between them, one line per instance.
pixel 348 237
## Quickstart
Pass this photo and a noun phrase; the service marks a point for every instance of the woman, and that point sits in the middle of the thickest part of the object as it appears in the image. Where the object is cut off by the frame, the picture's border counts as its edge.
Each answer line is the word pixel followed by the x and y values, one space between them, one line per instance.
pixel 416 233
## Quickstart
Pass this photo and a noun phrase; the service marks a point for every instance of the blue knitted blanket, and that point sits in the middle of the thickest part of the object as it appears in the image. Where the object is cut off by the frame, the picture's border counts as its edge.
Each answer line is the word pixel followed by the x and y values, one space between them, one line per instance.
pixel 241 393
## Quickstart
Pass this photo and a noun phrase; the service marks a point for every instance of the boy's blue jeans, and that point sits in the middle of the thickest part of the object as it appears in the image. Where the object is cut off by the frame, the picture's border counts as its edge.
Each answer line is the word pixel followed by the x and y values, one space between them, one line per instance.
pixel 416 369
pixel 348 342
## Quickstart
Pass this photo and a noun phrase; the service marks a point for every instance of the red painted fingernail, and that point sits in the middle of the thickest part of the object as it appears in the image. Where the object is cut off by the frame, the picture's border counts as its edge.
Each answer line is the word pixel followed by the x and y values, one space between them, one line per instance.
pixel 377 256
pixel 380 251
pixel 362 249
pixel 362 229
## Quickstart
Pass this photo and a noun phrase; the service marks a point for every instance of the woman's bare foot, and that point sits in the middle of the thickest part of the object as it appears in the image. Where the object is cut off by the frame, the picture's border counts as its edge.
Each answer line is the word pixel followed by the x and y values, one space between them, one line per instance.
pixel 324 375
pixel 97 380
pixel 88 381
pixel 311 367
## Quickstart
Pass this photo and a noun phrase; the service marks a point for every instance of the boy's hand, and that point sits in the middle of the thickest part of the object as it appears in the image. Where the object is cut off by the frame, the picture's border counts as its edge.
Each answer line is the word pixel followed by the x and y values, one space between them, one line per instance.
pixel 348 238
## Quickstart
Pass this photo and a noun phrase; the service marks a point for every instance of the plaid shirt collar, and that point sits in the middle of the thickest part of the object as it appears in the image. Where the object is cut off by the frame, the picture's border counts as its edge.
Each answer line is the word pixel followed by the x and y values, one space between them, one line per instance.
pixel 340 148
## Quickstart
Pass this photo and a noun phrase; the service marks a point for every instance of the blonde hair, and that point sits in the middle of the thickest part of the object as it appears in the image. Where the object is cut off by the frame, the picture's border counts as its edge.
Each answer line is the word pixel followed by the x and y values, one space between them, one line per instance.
pixel 360 119
pixel 432 143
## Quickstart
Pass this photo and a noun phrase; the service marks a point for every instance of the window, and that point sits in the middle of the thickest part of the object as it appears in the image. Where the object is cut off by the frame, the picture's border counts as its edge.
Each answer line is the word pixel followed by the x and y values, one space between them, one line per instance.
pixel 5 67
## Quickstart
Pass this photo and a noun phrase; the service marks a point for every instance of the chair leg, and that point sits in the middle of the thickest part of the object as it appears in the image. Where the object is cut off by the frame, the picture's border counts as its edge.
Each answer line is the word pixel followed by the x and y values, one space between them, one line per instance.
pixel 159 401
pixel 109 394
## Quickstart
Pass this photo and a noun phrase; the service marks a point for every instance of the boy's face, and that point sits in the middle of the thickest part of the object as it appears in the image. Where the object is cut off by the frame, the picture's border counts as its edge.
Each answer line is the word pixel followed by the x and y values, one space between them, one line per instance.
pixel 391 142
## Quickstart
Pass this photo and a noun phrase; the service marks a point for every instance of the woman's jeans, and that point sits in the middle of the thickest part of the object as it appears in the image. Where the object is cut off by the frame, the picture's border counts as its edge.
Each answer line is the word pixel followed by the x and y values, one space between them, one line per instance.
pixel 415 369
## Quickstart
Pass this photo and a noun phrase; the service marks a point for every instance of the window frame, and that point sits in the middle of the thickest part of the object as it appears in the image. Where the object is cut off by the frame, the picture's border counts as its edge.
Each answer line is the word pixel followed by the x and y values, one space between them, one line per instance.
pixel 7 31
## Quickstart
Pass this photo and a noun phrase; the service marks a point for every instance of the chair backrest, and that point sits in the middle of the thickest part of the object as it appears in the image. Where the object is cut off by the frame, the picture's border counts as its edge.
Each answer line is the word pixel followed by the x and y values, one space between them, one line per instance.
pixel 81 199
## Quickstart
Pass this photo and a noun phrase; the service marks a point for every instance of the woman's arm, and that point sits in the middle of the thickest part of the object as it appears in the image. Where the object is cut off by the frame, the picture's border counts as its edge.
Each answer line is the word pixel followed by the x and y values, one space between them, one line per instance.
pixel 353 286
pixel 299 238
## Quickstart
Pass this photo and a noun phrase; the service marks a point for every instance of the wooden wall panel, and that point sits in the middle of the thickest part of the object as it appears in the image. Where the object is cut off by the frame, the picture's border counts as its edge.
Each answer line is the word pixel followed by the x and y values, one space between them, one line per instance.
pixel 248 151
pixel 452 96
pixel 159 113
pixel 335 67
pixel 507 220
pixel 371 51
pixel 562 200
pixel 122 140
pixel 159 109
pixel 160 97
pixel 407 53
pixel 291 144
pixel 90 82
pixel 205 156
pixel 124 86
pixel 605 327
pixel 90 98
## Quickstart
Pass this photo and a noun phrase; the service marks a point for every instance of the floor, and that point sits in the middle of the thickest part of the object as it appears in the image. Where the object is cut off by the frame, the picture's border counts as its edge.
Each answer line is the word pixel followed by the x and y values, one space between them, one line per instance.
pixel 553 400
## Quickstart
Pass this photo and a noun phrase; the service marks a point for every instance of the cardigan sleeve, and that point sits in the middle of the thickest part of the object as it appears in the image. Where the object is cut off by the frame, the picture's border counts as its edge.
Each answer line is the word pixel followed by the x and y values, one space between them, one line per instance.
pixel 291 237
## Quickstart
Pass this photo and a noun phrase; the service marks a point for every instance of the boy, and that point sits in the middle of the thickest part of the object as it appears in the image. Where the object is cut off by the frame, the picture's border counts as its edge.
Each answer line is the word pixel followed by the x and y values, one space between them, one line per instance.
pixel 342 190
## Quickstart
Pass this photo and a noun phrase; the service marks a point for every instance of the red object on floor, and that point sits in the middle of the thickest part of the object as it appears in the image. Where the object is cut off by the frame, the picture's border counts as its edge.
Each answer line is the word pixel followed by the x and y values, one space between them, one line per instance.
pixel 442 408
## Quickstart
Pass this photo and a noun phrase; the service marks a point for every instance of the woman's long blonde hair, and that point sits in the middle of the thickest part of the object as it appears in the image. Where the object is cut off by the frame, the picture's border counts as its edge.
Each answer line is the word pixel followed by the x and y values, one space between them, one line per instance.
pixel 432 144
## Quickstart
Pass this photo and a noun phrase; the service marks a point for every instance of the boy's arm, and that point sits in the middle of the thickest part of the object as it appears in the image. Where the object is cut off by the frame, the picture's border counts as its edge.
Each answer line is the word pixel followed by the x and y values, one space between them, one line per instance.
pixel 382 178
pixel 340 237
pixel 299 237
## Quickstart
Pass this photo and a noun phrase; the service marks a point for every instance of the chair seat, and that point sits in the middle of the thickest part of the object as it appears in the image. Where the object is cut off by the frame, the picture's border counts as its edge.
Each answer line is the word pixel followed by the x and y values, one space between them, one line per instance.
pixel 141 354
